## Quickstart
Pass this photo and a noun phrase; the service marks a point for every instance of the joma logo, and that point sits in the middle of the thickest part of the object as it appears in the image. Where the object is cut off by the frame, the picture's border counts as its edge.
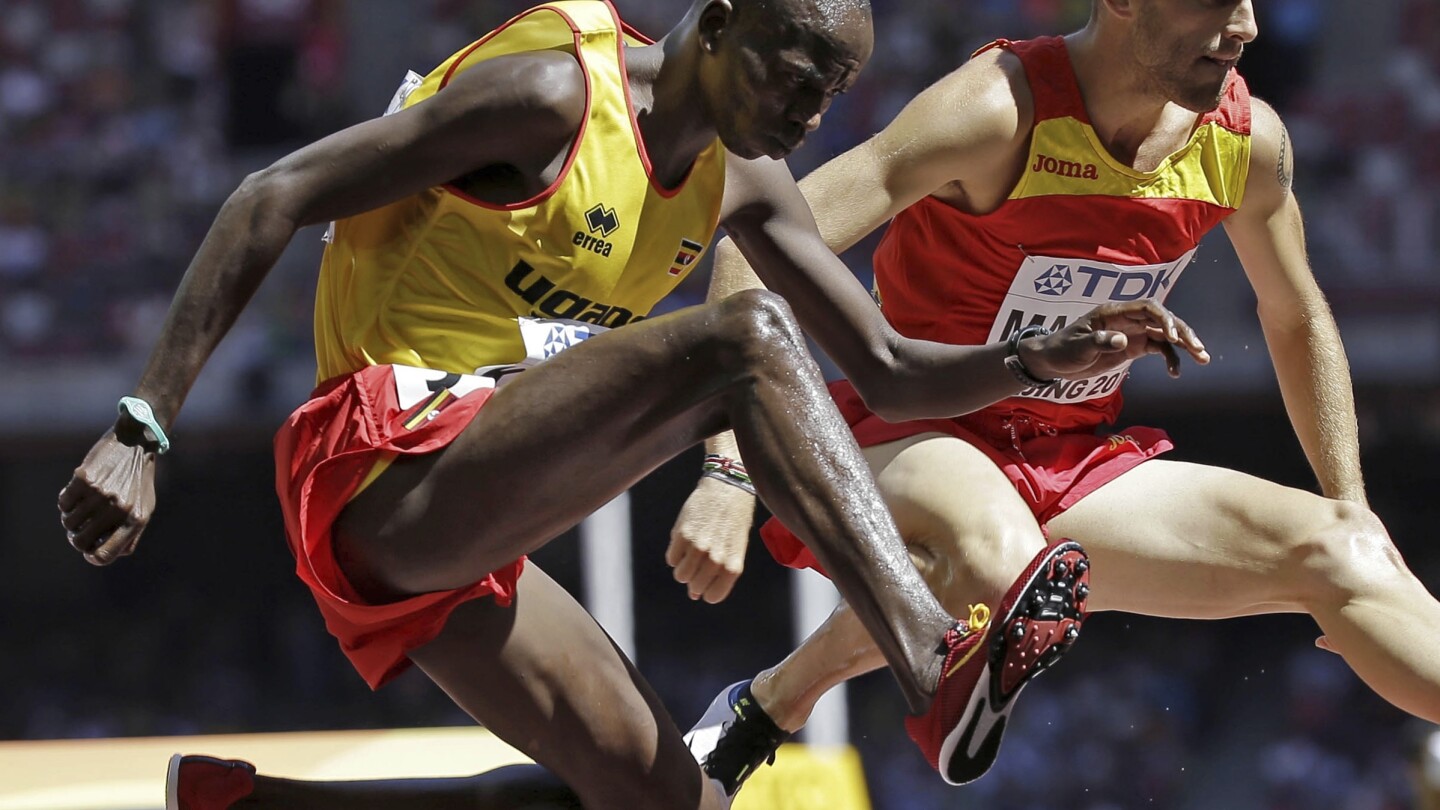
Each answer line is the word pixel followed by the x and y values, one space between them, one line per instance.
pixel 1065 168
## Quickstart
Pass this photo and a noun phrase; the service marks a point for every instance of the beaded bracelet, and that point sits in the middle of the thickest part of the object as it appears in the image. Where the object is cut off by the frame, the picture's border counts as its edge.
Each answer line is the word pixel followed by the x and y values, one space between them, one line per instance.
pixel 729 470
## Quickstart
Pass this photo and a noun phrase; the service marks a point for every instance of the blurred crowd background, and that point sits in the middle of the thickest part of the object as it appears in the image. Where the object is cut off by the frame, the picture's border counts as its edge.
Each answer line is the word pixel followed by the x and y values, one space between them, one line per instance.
pixel 125 123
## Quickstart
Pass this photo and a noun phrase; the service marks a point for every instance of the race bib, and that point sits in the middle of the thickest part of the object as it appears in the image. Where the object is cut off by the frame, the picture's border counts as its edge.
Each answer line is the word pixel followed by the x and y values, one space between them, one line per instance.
pixel 547 337
pixel 1052 292
pixel 415 385
pixel 402 93
pixel 544 338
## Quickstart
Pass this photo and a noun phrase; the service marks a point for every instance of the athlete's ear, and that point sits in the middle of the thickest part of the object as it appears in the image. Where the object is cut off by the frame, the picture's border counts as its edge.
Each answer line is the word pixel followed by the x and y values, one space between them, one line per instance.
pixel 1124 9
pixel 716 18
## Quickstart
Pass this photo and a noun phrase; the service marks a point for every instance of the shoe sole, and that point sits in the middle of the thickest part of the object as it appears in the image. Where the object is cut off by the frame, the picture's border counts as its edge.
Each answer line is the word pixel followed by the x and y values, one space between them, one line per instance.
pixel 172 783
pixel 1049 596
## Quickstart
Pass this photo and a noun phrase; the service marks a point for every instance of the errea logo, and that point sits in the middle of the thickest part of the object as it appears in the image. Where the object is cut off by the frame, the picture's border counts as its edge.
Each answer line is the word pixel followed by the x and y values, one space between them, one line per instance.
pixel 601 220
pixel 1054 282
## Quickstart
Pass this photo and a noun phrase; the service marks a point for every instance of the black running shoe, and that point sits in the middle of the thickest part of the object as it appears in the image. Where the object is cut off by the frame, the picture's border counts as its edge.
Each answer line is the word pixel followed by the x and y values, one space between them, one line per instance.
pixel 734 737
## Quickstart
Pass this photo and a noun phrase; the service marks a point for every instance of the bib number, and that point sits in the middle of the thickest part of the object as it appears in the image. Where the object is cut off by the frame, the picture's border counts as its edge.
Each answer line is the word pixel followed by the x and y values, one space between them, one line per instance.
pixel 1052 292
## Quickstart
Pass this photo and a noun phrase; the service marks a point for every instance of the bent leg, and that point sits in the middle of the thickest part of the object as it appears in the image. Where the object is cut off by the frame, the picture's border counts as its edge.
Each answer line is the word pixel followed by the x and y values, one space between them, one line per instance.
pixel 544 677
pixel 565 437
pixel 1228 544
pixel 968 532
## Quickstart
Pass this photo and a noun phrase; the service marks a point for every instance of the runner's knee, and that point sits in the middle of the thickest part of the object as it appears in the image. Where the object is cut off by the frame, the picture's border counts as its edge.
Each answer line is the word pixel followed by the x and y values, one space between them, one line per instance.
pixel 1349 555
pixel 753 323
pixel 621 748
pixel 969 532
pixel 628 772
pixel 973 561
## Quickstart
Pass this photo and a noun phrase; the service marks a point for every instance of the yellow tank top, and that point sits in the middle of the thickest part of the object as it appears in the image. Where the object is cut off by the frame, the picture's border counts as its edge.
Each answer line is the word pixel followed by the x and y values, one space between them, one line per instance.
pixel 444 281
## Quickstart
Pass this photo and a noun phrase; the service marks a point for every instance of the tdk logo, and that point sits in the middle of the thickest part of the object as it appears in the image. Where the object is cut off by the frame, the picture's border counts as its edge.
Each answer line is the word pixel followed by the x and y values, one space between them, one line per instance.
pixel 1106 283
pixel 1055 281
pixel 600 220
pixel 562 336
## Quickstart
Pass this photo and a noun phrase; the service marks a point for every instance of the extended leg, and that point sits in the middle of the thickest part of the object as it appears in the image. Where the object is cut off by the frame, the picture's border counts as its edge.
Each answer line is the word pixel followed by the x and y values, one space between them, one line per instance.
pixel 968 533
pixel 543 676
pixel 1229 544
pixel 1021 604
pixel 565 437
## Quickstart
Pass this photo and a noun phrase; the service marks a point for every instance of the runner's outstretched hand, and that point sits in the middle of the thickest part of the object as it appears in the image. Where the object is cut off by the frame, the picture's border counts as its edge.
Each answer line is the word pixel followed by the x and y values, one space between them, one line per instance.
pixel 109 500
pixel 1109 335
pixel 708 542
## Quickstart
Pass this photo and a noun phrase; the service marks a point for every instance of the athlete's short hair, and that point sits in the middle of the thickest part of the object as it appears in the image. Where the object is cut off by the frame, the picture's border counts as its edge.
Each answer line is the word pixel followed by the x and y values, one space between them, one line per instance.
pixel 819 15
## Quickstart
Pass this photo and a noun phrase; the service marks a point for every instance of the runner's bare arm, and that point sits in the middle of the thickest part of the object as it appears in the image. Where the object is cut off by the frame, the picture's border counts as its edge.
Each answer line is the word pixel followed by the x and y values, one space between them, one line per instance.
pixel 520 111
pixel 902 378
pixel 926 147
pixel 961 134
pixel 958 134
pixel 1269 236
pixel 517 111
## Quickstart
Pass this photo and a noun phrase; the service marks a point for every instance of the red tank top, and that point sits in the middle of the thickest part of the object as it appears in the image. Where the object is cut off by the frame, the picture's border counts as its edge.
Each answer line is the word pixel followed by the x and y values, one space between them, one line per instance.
pixel 1079 229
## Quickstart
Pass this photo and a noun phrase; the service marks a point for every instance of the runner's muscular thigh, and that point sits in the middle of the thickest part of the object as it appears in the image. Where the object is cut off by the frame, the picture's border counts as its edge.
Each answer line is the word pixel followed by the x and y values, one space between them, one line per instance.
pixel 1170 538
pixel 967 528
pixel 605 733
pixel 552 445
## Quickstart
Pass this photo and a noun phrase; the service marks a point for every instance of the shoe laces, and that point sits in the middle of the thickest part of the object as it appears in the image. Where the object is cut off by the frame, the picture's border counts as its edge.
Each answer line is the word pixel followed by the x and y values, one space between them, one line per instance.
pixel 744 744
pixel 979 619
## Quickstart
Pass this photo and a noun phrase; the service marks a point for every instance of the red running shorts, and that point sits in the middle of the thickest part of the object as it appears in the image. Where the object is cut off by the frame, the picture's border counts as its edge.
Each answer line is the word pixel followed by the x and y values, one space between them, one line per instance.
pixel 1051 469
pixel 323 454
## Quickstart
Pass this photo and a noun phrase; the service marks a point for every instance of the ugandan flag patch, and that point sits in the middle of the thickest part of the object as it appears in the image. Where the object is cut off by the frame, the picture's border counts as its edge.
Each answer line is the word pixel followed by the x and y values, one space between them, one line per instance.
pixel 689 251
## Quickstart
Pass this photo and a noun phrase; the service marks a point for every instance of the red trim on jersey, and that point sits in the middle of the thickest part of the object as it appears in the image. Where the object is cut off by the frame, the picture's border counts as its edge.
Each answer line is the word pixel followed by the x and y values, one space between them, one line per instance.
pixel 1051 77
pixel 644 155
pixel 454 66
pixel 1234 110
pixel 579 134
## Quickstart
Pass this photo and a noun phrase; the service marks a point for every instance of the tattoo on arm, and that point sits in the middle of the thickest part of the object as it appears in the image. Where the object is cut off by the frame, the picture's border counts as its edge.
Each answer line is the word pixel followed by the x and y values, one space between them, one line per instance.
pixel 1285 167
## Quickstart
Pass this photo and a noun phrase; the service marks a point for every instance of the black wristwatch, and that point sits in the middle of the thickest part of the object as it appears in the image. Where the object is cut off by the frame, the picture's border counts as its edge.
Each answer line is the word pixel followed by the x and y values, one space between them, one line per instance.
pixel 1017 366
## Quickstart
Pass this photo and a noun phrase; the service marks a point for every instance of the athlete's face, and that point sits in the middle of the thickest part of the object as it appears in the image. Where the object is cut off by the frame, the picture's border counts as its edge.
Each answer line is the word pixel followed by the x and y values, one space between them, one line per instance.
pixel 779 80
pixel 1187 47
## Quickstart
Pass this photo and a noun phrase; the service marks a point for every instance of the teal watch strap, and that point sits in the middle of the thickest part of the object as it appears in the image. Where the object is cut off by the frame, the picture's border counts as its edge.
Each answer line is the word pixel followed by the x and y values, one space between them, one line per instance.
pixel 141 412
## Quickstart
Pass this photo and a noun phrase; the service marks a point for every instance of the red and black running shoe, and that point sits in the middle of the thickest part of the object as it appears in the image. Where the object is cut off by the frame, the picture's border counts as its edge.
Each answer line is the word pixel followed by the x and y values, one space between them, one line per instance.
pixel 989 662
